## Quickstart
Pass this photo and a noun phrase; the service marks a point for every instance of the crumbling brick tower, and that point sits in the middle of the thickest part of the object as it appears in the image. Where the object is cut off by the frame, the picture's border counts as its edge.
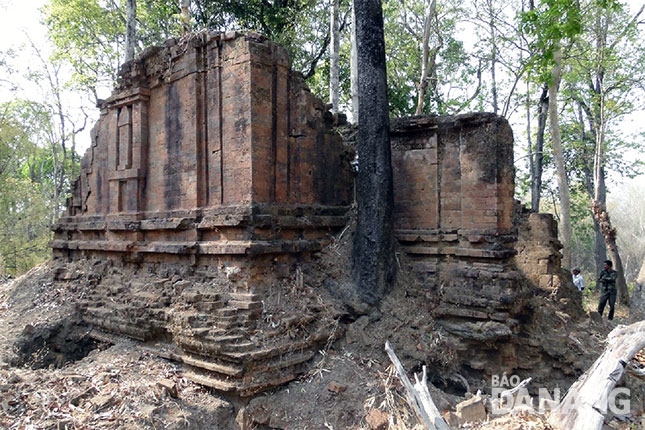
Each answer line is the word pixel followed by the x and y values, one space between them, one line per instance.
pixel 211 153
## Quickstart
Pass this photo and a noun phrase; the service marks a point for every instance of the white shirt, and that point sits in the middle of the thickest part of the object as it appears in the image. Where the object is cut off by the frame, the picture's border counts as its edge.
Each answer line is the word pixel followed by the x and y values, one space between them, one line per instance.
pixel 579 282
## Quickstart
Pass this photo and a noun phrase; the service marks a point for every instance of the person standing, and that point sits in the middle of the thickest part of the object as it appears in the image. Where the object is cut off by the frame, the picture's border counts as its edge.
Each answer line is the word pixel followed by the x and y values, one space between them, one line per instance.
pixel 578 280
pixel 607 287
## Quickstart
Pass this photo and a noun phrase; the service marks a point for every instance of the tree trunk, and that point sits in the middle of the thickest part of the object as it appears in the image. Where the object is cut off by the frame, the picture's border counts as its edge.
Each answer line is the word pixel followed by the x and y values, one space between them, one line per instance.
pixel 353 68
pixel 565 212
pixel 423 82
pixel 184 6
pixel 493 57
pixel 373 253
pixel 587 400
pixel 334 47
pixel 529 140
pixel 600 213
pixel 536 174
pixel 600 251
pixel 599 203
pixel 130 29
pixel 600 248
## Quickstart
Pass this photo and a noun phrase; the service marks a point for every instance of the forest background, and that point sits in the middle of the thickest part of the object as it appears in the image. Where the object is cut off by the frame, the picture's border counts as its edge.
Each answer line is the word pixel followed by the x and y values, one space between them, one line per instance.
pixel 59 57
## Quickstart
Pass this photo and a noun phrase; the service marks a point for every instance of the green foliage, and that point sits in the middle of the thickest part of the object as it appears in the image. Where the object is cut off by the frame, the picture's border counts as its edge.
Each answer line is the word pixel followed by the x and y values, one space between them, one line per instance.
pixel 456 70
pixel 24 226
pixel 89 34
pixel 301 26
pixel 28 203
pixel 549 23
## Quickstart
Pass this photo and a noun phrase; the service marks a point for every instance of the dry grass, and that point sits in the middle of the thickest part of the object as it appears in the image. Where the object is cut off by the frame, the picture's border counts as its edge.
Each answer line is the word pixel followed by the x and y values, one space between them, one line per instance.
pixel 590 304
pixel 393 402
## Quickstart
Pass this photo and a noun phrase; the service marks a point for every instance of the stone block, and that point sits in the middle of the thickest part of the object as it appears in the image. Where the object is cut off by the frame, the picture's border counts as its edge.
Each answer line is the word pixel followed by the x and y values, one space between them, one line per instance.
pixel 595 318
pixel 377 419
pixel 472 410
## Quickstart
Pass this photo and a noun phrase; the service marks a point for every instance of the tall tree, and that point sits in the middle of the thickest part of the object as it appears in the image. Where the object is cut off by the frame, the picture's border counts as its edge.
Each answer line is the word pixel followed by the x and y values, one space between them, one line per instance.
pixel 130 29
pixel 493 52
pixel 606 71
pixel 538 153
pixel 61 130
pixel 502 46
pixel 373 252
pixel 556 140
pixel 453 76
pixel 425 58
pixel 334 57
pixel 31 183
pixel 552 23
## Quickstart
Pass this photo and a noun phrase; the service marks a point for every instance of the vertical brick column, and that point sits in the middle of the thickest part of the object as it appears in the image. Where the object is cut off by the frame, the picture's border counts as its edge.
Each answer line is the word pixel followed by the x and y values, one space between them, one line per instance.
pixel 128 152
pixel 486 177
pixel 269 67
pixel 229 122
pixel 416 191
pixel 450 186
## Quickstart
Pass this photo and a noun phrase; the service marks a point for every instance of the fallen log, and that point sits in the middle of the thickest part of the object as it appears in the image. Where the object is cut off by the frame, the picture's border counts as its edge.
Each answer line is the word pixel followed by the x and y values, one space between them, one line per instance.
pixel 587 400
pixel 418 395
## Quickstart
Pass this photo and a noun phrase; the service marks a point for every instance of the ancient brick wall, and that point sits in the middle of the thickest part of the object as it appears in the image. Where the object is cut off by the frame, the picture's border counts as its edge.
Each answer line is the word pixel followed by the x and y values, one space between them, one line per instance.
pixel 198 137
pixel 210 171
pixel 454 184
pixel 453 174
pixel 453 188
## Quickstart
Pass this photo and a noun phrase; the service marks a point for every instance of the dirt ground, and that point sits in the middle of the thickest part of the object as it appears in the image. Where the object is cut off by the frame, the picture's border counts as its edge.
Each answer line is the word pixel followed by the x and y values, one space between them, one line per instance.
pixel 53 376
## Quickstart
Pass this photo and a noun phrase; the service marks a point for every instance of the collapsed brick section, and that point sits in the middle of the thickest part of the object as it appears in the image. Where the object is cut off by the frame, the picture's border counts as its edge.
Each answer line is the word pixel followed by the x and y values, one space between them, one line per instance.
pixel 212 154
pixel 454 206
pixel 481 255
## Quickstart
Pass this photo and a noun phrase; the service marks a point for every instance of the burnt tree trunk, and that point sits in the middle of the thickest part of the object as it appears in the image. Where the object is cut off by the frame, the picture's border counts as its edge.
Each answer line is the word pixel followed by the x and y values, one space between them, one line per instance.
pixel 334 57
pixel 353 68
pixel 373 253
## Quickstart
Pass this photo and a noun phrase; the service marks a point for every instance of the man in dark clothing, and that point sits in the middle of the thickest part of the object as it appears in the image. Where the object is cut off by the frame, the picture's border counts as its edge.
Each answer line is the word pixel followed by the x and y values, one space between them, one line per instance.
pixel 607 287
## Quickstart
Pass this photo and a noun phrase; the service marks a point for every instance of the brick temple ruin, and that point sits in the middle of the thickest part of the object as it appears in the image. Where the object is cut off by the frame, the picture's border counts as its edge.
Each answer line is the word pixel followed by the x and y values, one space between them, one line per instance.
pixel 214 156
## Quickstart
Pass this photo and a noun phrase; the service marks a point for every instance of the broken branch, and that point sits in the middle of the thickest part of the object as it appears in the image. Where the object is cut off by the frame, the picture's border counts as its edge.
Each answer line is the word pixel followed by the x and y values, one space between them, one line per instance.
pixel 418 395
